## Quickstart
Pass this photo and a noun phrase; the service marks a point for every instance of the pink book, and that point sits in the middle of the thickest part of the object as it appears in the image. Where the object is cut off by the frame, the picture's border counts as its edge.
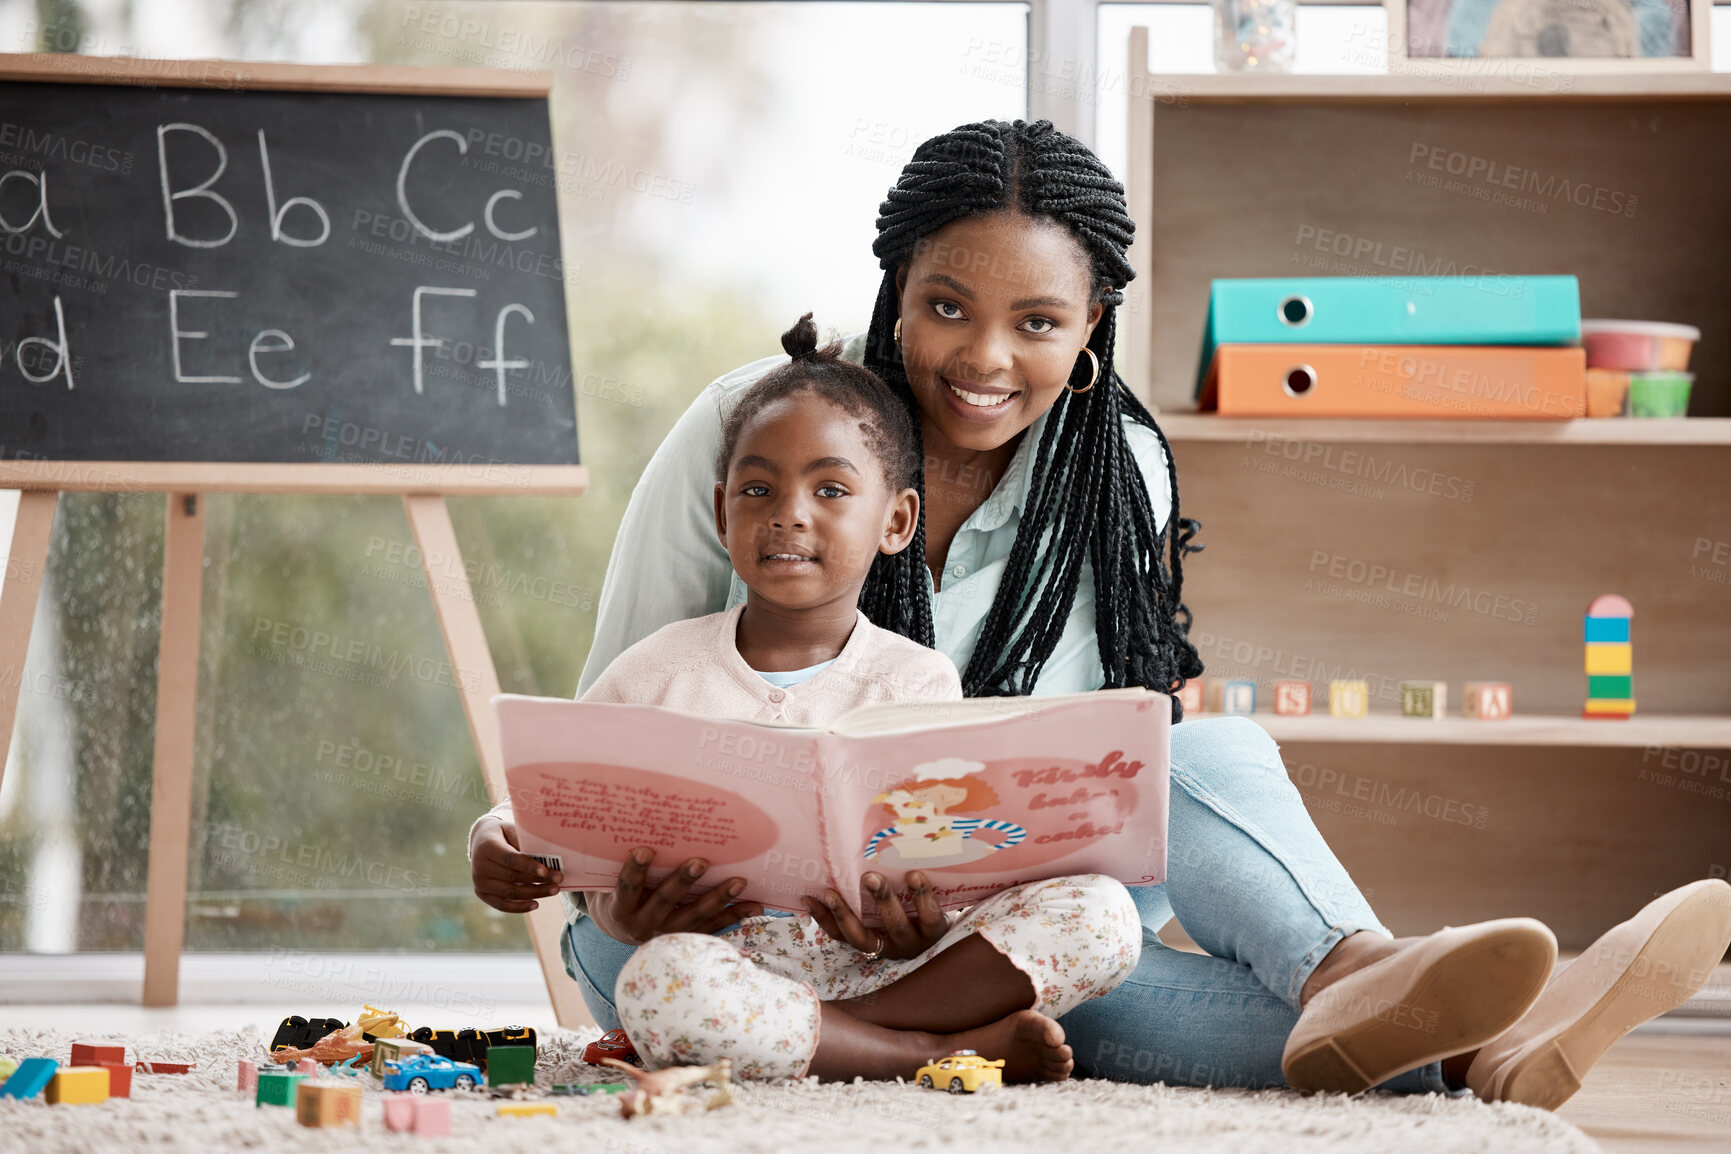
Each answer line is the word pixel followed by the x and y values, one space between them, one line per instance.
pixel 981 794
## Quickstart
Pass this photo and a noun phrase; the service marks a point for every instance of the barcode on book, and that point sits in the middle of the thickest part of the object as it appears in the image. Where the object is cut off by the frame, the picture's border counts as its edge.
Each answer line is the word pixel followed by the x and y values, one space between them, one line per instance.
pixel 552 863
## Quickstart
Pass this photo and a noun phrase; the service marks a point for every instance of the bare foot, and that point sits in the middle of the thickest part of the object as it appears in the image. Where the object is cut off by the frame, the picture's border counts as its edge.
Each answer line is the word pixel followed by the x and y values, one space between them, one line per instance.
pixel 1031 1044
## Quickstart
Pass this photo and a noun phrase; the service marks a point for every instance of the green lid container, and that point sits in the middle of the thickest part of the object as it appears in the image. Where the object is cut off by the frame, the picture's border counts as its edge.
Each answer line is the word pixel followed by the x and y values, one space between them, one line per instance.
pixel 1659 394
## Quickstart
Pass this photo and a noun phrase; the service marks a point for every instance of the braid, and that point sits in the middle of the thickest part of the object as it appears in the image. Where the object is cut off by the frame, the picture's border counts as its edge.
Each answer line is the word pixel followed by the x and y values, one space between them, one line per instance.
pixel 1087 499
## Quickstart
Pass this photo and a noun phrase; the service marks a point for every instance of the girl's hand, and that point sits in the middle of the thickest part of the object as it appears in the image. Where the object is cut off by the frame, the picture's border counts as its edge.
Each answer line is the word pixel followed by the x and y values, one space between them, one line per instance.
pixel 633 913
pixel 505 877
pixel 899 938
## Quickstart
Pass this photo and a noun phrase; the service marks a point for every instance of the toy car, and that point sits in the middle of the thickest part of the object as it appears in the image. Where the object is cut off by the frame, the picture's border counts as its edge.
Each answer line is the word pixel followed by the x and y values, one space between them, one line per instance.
pixel 612 1044
pixel 962 1070
pixel 424 1072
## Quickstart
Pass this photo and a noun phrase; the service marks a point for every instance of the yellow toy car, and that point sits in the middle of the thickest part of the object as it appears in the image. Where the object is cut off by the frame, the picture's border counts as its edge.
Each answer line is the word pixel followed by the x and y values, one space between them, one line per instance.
pixel 962 1070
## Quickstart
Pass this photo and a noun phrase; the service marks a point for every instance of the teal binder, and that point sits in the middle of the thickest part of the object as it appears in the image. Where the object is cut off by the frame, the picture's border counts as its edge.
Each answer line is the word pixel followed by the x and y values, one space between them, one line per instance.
pixel 1354 310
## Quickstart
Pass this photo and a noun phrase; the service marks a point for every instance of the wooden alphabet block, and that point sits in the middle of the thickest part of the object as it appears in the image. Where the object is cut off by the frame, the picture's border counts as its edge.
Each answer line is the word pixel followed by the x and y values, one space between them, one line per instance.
pixel 400 1111
pixel 77 1085
pixel 1424 699
pixel 1348 698
pixel 1190 697
pixel 1238 697
pixel 246 1075
pixel 1292 698
pixel 317 1105
pixel 1488 700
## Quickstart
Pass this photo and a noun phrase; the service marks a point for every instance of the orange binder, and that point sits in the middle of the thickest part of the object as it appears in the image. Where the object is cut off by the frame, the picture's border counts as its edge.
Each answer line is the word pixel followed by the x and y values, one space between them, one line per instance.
pixel 1452 382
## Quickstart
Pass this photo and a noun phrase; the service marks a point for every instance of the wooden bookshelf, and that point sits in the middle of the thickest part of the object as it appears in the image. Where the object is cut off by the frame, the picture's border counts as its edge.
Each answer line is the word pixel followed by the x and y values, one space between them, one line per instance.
pixel 1642 731
pixel 1459 550
pixel 1192 426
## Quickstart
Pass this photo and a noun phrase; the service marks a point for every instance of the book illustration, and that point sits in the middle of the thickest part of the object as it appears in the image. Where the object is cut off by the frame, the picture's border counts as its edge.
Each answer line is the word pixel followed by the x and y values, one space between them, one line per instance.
pixel 926 830
pixel 980 795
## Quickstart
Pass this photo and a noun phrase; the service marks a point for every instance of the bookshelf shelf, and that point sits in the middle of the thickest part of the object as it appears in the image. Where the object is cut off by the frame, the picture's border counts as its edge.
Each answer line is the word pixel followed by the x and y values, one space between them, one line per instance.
pixel 1455 550
pixel 1191 426
pixel 1639 732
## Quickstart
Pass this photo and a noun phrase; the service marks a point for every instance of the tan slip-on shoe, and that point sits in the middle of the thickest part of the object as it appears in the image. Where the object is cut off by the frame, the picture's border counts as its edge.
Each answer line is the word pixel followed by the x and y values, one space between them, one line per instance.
pixel 1441 996
pixel 1651 963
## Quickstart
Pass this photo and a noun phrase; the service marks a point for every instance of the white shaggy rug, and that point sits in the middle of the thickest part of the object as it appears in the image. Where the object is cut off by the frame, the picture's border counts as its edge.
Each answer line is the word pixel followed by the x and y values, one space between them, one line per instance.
pixel 202 1112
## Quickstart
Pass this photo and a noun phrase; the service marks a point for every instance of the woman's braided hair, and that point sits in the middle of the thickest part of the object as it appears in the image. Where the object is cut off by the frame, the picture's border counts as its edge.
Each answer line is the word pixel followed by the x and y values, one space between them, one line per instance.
pixel 1087 500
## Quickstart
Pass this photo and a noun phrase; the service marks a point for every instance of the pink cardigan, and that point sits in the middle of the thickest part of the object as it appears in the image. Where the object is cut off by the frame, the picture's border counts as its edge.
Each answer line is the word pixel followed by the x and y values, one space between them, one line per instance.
pixel 694 666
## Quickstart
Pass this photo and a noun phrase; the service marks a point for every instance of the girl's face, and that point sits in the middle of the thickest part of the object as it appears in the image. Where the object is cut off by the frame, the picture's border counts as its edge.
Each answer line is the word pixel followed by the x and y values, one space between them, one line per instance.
pixel 995 311
pixel 805 508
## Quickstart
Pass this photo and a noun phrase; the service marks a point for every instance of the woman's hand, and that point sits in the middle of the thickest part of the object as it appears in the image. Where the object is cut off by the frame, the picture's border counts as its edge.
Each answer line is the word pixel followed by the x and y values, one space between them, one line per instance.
pixel 504 876
pixel 633 914
pixel 899 937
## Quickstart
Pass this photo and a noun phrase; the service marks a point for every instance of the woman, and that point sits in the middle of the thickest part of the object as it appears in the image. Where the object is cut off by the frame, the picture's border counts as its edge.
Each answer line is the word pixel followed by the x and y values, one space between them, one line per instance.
pixel 1050 560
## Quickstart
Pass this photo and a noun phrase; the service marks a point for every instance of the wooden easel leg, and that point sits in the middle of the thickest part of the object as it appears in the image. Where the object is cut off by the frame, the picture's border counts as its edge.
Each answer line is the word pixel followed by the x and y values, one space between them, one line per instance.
pixel 171 769
pixel 26 559
pixel 478 681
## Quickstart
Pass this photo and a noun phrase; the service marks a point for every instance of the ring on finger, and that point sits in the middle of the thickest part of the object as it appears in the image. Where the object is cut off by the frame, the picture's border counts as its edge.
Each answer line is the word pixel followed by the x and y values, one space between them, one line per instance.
pixel 877 951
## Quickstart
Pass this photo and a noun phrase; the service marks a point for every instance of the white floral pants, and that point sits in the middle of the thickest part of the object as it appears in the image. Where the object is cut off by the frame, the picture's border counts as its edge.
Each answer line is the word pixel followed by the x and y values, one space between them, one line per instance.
pixel 753 994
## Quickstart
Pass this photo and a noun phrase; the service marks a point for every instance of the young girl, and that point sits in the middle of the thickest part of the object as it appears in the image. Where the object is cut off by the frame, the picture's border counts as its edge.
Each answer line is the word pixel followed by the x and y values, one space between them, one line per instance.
pixel 814 484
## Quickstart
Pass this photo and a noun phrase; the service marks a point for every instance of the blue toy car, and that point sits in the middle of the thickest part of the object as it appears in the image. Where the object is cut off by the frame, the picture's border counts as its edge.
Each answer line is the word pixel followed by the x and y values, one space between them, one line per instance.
pixel 419 1073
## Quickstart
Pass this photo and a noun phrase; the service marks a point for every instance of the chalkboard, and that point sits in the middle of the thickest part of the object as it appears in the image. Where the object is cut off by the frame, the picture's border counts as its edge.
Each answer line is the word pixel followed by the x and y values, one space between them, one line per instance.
pixel 195 274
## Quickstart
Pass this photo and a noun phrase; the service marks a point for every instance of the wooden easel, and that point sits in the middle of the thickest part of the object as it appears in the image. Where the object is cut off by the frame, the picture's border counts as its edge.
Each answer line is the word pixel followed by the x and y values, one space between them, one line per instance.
pixel 177 662
pixel 41 482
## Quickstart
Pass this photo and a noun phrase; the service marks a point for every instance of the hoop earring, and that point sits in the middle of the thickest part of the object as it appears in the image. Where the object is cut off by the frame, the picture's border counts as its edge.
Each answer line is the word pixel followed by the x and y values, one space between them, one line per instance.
pixel 897 331
pixel 1093 378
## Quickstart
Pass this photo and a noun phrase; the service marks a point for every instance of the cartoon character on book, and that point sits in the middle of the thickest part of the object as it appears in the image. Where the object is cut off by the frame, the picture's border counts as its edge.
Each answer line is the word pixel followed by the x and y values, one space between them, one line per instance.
pixel 926 831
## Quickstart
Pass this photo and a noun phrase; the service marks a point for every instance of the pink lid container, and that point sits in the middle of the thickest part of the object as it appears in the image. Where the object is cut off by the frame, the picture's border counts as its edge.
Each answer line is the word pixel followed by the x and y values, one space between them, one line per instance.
pixel 1638 346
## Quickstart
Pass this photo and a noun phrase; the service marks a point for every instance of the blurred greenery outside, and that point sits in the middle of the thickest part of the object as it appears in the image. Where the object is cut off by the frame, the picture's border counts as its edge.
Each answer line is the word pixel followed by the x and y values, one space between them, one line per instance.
pixel 332 801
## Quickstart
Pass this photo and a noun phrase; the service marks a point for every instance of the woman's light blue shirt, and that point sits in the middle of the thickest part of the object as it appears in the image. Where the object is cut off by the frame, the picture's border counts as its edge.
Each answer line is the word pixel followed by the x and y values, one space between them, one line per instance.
pixel 668 564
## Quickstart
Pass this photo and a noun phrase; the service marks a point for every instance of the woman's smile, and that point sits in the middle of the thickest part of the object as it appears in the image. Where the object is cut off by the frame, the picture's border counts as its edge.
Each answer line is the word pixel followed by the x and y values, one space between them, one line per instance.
pixel 979 402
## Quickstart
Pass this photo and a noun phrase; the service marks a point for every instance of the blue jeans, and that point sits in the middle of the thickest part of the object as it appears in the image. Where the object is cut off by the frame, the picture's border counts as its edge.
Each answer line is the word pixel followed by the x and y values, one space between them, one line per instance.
pixel 1251 881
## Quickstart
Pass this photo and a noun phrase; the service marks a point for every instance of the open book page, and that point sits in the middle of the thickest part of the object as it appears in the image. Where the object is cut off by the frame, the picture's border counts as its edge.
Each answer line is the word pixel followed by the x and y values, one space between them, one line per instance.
pixel 590 782
pixel 981 794
pixel 991 793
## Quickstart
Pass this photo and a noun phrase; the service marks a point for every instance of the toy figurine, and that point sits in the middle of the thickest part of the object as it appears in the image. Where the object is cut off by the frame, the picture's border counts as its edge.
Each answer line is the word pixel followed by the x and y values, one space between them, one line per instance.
pixel 962 1070
pixel 1610 659
pixel 657 1092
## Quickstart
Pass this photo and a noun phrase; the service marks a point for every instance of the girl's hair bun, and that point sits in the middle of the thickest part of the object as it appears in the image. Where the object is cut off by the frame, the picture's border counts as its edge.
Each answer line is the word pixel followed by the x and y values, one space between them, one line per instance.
pixel 801 339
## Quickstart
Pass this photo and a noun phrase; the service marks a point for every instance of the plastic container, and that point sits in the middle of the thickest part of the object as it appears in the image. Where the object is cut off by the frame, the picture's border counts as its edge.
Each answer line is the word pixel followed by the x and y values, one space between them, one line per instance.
pixel 1664 394
pixel 1638 346
pixel 1607 392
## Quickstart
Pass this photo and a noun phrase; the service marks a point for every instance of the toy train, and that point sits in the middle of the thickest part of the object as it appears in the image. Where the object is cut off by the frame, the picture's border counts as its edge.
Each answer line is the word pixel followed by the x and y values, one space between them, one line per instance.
pixel 298 1033
pixel 466 1045
pixel 471 1045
